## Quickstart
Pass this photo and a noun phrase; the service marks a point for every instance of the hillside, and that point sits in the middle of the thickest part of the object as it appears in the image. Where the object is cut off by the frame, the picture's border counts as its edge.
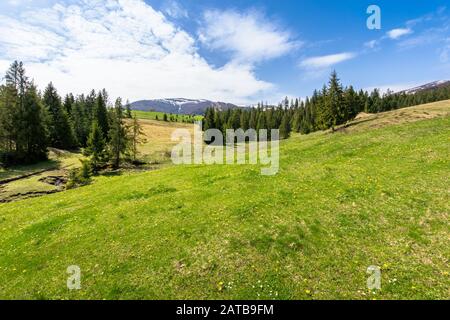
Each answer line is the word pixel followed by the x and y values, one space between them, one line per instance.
pixel 374 193
pixel 428 86
pixel 27 181
pixel 179 106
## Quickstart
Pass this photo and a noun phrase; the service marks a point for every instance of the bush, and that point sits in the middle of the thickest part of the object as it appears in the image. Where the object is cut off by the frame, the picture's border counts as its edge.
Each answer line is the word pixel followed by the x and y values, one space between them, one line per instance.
pixel 80 177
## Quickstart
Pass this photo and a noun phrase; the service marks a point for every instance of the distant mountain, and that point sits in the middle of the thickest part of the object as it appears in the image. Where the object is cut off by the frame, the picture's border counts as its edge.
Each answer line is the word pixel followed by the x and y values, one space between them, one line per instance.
pixel 180 105
pixel 428 86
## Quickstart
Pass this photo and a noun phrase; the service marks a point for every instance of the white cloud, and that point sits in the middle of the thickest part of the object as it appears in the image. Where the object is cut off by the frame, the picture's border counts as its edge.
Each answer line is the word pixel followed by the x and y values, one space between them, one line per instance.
pixel 175 10
pixel 372 44
pixel 394 34
pixel 127 47
pixel 321 62
pixel 250 37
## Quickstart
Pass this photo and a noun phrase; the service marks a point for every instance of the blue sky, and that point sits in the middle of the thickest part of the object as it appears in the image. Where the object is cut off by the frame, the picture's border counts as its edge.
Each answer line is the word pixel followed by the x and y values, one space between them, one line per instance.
pixel 235 51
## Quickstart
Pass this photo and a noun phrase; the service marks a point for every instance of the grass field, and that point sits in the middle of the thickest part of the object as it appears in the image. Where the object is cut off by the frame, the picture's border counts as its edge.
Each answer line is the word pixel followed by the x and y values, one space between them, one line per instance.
pixel 374 193
pixel 151 115
pixel 155 151
pixel 158 144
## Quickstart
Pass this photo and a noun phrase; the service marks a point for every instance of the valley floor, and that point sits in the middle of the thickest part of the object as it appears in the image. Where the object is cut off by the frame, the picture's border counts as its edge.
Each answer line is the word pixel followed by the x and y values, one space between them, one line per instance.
pixel 375 193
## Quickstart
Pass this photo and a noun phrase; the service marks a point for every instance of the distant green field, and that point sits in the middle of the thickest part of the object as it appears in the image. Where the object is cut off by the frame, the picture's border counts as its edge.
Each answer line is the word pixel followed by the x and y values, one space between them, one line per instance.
pixel 340 203
pixel 153 115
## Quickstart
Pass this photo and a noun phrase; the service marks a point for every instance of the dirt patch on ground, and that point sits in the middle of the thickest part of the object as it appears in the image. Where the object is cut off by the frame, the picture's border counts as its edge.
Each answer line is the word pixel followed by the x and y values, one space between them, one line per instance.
pixel 57 181
pixel 363 115
pixel 5 181
pixel 21 196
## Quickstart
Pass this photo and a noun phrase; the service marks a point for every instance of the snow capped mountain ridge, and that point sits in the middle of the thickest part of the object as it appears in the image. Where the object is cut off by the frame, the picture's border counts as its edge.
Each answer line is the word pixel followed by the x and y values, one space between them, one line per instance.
pixel 180 105
pixel 427 86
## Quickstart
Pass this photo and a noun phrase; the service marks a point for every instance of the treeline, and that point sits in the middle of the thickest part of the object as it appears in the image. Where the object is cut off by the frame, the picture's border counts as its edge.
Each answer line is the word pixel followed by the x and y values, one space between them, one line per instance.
pixel 332 106
pixel 31 121
pixel 175 118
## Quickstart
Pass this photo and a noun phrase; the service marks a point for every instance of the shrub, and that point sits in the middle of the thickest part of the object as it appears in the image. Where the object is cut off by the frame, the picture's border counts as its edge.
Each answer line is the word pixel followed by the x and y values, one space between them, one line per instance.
pixel 80 177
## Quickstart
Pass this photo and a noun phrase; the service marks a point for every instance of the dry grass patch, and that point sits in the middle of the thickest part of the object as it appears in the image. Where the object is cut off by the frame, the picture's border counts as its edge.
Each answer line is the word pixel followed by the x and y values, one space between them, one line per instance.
pixel 366 121
pixel 158 134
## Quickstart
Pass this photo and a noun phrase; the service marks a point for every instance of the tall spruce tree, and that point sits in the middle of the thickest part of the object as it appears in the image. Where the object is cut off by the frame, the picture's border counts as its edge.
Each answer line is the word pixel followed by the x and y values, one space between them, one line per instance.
pixel 285 128
pixel 96 147
pixel 81 120
pixel 23 133
pixel 208 120
pixel 135 138
pixel 334 107
pixel 101 112
pixel 128 112
pixel 61 132
pixel 235 119
pixel 118 139
pixel 33 134
pixel 261 124
pixel 8 105
pixel 69 100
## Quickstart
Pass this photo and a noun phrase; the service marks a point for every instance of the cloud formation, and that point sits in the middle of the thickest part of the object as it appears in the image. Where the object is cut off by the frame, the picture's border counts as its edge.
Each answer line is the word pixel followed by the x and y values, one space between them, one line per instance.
pixel 250 37
pixel 321 62
pixel 175 10
pixel 132 50
pixel 395 34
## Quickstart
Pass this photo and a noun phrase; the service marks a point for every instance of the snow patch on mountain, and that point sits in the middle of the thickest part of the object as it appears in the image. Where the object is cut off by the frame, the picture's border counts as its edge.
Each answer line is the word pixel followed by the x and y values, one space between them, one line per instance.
pixel 427 86
pixel 180 105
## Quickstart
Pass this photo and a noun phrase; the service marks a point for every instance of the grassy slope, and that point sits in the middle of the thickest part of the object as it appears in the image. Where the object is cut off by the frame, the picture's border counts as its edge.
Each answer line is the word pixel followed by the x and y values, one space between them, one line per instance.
pixel 340 203
pixel 155 150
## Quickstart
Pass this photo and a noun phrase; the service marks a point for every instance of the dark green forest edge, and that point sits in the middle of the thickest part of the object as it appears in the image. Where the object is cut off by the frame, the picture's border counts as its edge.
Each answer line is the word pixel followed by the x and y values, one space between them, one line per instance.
pixel 31 121
pixel 373 193
pixel 334 105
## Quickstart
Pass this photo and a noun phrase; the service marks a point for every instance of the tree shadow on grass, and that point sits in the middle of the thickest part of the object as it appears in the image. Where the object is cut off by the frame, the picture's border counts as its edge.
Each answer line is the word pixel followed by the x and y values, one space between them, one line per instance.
pixel 23 171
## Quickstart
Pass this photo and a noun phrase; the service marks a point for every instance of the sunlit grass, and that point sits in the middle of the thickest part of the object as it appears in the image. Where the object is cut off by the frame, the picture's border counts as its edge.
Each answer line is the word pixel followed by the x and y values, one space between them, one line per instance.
pixel 340 203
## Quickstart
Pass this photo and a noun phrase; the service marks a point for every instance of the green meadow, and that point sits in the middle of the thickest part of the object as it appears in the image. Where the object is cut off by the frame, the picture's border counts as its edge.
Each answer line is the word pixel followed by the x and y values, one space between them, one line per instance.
pixel 375 192
pixel 154 115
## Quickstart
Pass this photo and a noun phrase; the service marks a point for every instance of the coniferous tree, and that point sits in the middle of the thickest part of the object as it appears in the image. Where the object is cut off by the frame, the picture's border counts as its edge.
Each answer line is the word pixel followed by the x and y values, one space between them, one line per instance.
pixel 69 100
pixel 330 107
pixel 235 120
pixel 285 129
pixel 16 84
pixel 128 110
pixel 118 139
pixel 81 120
pixel 96 147
pixel 23 133
pixel 135 138
pixel 217 120
pixel 90 106
pixel 101 112
pixel 244 120
pixel 253 119
pixel 261 124
pixel 334 102
pixel 208 120
pixel 8 105
pixel 61 132
pixel 33 134
pixel 296 123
